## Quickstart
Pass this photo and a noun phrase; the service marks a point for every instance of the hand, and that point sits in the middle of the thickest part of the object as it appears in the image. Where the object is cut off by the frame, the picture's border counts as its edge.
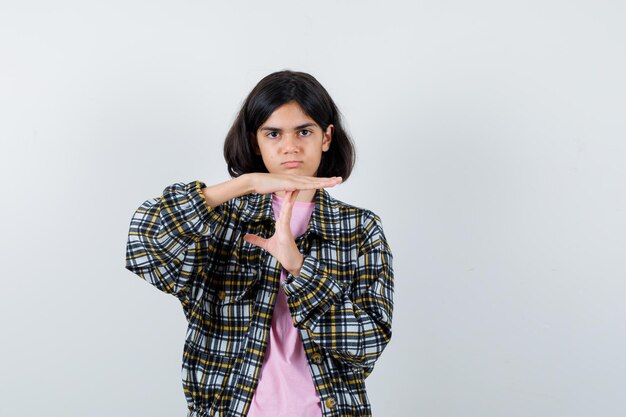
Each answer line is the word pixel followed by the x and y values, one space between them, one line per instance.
pixel 282 244
pixel 264 183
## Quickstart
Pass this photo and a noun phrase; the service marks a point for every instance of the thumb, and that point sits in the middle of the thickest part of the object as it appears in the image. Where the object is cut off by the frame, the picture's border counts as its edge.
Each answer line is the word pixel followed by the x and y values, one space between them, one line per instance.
pixel 255 240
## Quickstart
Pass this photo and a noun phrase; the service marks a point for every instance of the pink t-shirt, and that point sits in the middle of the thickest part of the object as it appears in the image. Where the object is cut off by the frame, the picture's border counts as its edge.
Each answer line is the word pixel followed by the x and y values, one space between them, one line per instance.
pixel 285 386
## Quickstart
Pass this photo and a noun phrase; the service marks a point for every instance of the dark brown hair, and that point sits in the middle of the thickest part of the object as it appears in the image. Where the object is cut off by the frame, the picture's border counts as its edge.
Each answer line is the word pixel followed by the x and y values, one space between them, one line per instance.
pixel 271 92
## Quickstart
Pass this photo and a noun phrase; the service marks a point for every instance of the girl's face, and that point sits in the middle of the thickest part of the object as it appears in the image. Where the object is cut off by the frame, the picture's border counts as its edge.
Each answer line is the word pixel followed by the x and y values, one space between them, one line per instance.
pixel 290 142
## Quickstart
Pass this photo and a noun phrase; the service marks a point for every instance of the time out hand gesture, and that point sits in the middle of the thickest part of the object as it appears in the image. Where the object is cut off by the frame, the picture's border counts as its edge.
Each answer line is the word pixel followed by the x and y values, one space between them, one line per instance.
pixel 264 183
pixel 282 244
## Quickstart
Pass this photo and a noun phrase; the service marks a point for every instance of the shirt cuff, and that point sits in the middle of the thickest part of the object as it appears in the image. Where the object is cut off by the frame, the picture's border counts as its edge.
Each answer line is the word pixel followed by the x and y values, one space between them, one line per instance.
pixel 314 281
pixel 203 214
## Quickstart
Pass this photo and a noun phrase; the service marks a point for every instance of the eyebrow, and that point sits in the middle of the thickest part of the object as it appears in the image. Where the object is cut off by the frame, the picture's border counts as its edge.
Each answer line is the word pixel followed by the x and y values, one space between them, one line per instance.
pixel 276 129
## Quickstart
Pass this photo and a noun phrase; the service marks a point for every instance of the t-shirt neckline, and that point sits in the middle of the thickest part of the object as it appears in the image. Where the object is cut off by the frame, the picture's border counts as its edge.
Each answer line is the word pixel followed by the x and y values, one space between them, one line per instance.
pixel 282 199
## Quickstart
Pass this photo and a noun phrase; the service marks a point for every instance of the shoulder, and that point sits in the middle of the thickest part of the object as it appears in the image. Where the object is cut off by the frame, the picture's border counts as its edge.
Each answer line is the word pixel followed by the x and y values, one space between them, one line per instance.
pixel 363 215
pixel 361 228
pixel 362 221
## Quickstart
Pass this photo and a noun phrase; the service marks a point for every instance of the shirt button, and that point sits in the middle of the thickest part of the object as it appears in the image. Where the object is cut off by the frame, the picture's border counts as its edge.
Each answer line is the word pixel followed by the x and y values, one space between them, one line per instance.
pixel 316 358
pixel 221 295
pixel 331 402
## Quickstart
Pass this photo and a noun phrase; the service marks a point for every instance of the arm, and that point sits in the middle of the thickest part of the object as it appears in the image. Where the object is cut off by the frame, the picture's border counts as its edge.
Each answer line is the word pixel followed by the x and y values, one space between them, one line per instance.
pixel 353 324
pixel 164 246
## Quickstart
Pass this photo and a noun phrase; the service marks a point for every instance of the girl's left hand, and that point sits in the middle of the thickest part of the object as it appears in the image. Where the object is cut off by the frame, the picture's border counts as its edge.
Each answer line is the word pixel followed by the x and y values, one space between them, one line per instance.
pixel 282 244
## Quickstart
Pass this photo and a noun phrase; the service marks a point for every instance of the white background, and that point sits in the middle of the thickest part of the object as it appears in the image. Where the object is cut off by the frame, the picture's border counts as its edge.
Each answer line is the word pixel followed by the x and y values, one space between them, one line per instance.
pixel 491 141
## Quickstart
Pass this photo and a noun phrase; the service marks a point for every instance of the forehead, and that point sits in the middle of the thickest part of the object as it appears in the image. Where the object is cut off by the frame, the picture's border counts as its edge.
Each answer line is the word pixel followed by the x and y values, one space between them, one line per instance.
pixel 289 115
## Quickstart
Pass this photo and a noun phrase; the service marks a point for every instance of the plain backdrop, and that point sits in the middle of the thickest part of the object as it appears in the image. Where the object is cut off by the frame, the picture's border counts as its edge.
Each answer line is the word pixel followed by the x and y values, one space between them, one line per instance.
pixel 491 141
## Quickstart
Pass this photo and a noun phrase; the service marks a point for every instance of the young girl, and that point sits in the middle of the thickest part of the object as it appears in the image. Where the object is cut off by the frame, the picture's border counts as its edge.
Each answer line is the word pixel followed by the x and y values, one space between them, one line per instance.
pixel 288 292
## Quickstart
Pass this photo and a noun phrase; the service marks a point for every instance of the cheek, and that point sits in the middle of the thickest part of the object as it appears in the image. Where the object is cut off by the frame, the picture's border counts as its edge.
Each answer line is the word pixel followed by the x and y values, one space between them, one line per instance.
pixel 268 158
pixel 264 152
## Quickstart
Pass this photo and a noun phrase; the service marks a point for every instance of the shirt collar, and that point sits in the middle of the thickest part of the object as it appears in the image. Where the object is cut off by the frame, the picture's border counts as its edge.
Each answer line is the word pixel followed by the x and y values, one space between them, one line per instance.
pixel 325 221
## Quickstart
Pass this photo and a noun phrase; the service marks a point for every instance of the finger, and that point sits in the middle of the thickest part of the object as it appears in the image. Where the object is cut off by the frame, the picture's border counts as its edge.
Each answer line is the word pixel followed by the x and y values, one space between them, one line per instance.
pixel 314 183
pixel 255 240
pixel 322 179
pixel 303 182
pixel 293 197
pixel 335 180
pixel 287 208
pixel 328 181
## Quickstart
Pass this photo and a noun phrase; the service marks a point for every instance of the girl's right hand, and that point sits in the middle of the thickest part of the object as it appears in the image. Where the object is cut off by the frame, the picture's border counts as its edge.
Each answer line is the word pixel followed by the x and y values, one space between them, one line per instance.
pixel 264 183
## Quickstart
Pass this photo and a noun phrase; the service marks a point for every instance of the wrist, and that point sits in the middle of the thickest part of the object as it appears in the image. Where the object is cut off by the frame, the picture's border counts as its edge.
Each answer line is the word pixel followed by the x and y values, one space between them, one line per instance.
pixel 247 183
pixel 296 271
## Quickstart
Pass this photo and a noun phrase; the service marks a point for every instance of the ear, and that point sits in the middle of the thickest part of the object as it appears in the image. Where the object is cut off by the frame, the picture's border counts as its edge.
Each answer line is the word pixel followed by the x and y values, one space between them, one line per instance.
pixel 328 137
pixel 254 144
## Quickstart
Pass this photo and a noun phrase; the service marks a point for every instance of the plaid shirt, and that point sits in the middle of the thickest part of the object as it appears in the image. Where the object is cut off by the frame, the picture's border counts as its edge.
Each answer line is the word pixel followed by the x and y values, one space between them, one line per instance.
pixel 341 303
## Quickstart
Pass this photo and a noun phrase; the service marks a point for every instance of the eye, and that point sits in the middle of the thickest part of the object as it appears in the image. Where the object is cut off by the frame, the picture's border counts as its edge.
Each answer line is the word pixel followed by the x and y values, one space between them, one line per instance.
pixel 308 131
pixel 270 135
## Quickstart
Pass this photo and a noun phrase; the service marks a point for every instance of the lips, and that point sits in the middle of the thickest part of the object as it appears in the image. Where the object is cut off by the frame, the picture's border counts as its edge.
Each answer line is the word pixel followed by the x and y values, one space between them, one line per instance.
pixel 292 164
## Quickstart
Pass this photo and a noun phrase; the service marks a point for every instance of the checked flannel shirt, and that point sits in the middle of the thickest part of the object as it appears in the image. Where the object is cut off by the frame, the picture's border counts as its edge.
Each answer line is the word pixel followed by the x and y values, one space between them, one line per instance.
pixel 341 303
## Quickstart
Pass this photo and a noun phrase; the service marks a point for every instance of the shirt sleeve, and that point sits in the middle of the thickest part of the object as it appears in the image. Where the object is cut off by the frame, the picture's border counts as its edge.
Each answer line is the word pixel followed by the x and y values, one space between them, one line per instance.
pixel 164 245
pixel 352 323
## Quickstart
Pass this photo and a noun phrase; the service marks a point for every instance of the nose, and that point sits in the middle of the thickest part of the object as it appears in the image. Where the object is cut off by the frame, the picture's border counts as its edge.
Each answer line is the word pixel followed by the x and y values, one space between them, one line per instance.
pixel 291 143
